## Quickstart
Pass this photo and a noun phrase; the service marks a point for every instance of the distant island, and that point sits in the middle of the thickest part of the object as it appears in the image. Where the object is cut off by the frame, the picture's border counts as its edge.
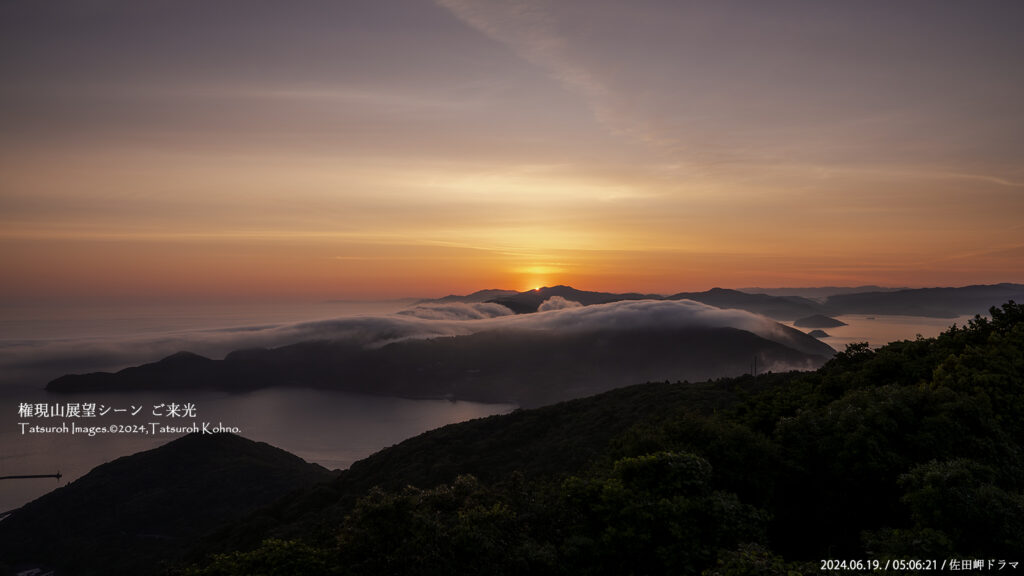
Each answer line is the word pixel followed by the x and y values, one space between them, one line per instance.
pixel 819 321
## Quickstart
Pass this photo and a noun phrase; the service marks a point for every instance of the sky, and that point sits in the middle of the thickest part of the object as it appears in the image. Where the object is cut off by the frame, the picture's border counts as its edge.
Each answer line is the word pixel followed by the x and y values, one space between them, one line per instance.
pixel 221 150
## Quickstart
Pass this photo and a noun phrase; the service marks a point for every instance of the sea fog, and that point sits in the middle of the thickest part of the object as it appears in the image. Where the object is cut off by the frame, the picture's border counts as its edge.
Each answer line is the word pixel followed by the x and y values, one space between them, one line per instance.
pixel 330 428
pixel 39 343
pixel 37 349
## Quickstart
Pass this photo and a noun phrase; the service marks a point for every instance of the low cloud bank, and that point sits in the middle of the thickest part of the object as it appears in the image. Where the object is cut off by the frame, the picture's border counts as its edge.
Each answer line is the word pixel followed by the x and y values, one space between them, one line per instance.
pixel 557 303
pixel 36 362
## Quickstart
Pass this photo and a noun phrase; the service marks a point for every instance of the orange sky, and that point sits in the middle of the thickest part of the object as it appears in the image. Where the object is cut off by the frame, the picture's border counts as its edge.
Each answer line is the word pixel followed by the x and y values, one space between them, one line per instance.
pixel 361 149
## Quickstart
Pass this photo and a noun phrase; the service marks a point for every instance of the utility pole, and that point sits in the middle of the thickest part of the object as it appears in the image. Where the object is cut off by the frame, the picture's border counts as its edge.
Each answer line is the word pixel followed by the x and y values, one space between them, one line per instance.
pixel 26 476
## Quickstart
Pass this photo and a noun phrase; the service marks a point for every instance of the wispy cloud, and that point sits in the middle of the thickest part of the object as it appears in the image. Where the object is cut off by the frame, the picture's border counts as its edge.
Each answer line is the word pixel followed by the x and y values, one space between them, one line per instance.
pixel 985 178
pixel 531 31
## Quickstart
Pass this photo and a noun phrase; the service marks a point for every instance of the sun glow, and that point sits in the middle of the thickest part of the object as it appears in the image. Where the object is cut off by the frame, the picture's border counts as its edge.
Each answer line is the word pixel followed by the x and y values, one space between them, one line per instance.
pixel 533 283
pixel 537 276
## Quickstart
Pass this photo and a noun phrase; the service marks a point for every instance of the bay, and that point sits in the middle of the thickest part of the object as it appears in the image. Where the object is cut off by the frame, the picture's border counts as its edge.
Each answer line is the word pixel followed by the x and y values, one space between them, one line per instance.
pixel 878 331
pixel 333 429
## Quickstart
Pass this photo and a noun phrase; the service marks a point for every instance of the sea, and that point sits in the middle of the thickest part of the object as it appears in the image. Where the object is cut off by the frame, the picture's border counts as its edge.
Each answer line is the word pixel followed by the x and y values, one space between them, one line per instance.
pixel 45 434
pixel 880 330
pixel 37 344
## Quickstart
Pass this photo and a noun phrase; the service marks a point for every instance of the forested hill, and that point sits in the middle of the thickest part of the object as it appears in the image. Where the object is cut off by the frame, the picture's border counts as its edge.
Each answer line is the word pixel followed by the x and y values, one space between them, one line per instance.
pixel 136 514
pixel 912 451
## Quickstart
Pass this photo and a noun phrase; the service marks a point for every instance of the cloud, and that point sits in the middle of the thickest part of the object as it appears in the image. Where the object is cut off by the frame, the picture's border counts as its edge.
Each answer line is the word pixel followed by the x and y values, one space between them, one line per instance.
pixel 642 314
pixel 457 311
pixel 36 362
pixel 557 303
pixel 530 29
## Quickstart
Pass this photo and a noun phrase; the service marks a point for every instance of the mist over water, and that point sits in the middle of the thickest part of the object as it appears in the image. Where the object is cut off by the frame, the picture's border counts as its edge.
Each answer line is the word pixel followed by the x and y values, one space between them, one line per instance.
pixel 109 340
pixel 330 428
pixel 40 343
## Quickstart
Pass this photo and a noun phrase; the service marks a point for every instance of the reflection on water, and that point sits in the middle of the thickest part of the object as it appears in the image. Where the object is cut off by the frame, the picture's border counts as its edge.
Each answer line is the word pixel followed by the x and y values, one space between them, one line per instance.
pixel 332 429
pixel 880 330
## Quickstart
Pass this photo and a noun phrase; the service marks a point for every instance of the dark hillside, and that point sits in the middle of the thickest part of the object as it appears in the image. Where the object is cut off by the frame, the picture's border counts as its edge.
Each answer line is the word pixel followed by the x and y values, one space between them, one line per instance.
pixel 934 302
pixel 123 515
pixel 777 307
pixel 910 451
pixel 538 447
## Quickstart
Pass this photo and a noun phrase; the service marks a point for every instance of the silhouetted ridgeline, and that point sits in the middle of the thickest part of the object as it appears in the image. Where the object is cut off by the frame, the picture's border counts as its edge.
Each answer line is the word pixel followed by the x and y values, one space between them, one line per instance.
pixel 778 307
pixel 911 451
pixel 820 292
pixel 530 301
pixel 478 296
pixel 933 302
pixel 135 514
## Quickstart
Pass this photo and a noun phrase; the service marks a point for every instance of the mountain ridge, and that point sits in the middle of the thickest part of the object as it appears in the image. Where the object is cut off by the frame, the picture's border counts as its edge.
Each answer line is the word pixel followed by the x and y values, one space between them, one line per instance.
pixel 941 302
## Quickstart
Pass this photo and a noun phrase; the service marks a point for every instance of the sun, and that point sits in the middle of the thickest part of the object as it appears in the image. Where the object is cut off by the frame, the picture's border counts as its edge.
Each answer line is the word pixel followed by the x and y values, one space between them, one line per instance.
pixel 532 284
pixel 536 276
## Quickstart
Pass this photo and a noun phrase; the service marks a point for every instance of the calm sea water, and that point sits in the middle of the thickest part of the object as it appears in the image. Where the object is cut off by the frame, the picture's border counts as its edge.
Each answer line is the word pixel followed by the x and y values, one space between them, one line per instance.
pixel 330 428
pixel 880 330
pixel 333 429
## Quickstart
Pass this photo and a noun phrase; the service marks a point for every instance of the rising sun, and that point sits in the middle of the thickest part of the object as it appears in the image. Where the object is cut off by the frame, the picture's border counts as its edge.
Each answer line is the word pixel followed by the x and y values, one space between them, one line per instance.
pixel 537 276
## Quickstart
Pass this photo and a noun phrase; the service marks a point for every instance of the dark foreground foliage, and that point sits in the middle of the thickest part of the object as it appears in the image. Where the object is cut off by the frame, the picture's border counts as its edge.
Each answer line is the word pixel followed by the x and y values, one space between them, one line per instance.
pixel 911 451
pixel 137 514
